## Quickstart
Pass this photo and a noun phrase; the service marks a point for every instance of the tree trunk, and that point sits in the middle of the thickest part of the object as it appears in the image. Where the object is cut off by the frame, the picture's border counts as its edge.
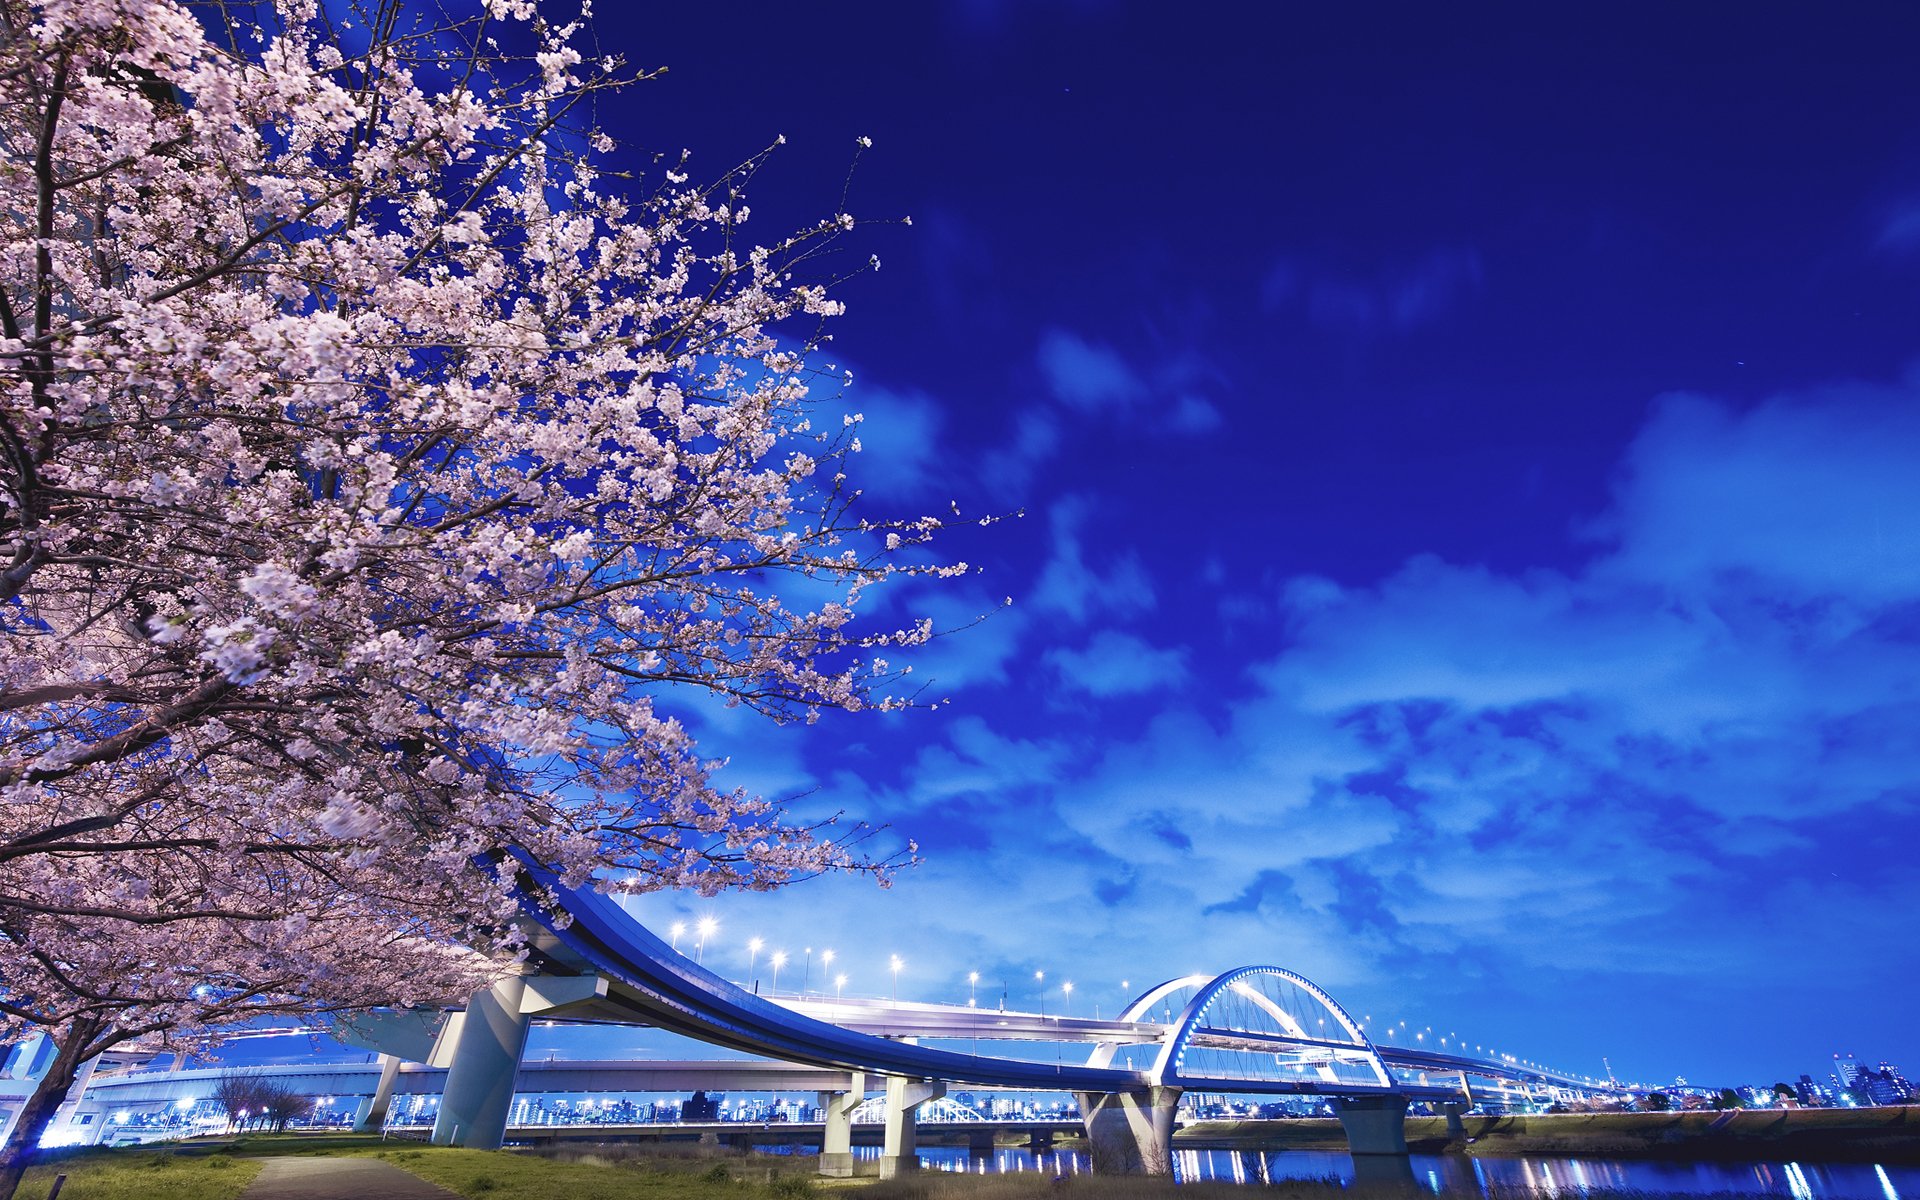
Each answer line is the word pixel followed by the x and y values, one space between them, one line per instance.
pixel 76 1046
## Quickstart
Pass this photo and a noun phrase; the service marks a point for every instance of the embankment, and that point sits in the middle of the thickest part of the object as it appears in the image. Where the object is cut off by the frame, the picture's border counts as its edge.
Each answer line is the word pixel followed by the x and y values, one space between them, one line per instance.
pixel 1885 1135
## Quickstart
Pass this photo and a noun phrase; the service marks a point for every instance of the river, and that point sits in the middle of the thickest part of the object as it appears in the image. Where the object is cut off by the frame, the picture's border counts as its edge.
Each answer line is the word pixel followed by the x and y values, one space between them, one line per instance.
pixel 1463 1175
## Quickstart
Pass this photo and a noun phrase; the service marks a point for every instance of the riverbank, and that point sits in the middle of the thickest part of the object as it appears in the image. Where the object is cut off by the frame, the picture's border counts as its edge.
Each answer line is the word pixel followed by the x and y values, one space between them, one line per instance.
pixel 1884 1135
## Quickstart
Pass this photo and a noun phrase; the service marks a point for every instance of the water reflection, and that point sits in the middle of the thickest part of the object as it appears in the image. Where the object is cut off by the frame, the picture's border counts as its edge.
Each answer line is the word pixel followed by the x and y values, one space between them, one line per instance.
pixel 1462 1175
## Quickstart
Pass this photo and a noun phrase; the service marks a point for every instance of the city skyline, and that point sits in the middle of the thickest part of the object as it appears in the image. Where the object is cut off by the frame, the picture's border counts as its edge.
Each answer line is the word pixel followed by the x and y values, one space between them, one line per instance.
pixel 1469 468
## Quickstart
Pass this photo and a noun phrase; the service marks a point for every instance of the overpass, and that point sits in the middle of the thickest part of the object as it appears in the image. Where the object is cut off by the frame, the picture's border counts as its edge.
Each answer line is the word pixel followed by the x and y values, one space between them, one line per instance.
pixel 1257 1029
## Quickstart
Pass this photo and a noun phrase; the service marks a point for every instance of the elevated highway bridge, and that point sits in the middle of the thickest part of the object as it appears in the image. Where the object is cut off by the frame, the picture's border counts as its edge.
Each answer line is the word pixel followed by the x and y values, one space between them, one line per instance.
pixel 1258 1030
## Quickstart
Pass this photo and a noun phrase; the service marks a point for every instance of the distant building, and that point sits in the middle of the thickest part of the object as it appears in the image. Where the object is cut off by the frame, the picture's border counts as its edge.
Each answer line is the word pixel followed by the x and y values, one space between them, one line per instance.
pixel 1846 1069
pixel 1884 1085
pixel 1813 1095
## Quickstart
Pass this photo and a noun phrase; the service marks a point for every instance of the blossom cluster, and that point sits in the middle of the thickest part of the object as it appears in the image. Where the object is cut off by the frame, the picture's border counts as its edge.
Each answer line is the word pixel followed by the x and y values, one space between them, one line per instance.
pixel 373 468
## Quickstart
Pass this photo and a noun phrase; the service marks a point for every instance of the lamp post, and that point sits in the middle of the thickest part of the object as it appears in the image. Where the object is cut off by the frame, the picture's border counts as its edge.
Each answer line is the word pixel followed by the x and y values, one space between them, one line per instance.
pixel 705 929
pixel 677 930
pixel 826 962
pixel 1039 983
pixel 1066 1003
pixel 839 984
pixel 753 954
pixel 973 984
pixel 893 961
pixel 779 960
pixel 806 976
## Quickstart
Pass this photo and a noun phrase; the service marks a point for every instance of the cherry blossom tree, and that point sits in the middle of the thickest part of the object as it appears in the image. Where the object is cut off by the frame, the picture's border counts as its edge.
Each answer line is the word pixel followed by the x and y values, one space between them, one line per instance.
pixel 376 465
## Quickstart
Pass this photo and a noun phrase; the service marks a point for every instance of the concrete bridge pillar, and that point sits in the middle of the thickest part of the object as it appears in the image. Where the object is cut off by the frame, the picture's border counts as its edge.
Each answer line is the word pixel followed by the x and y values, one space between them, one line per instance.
pixel 836 1140
pixel 980 1143
pixel 486 1055
pixel 1376 1137
pixel 904 1096
pixel 1456 1128
pixel 1130 1133
pixel 372 1114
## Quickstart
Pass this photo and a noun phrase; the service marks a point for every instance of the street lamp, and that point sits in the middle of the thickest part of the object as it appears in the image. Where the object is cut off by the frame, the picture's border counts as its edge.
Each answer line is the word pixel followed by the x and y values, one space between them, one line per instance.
pixel 894 962
pixel 705 929
pixel 1040 985
pixel 753 953
pixel 779 960
pixel 973 983
pixel 678 928
pixel 839 984
pixel 1066 1005
pixel 806 977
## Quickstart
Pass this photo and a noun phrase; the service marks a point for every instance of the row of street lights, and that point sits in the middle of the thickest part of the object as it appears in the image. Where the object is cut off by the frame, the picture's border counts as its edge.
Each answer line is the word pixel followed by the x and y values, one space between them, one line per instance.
pixel 705 927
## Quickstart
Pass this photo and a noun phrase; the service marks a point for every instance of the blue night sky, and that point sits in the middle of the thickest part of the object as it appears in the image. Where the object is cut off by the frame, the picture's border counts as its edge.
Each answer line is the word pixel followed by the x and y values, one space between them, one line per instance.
pixel 1470 462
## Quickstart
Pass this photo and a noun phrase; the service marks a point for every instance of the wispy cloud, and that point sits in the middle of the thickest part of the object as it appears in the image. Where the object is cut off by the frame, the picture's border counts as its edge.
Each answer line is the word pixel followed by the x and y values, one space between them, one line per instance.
pixel 1086 376
pixel 1071 586
pixel 1393 298
pixel 900 438
pixel 1542 790
pixel 1119 664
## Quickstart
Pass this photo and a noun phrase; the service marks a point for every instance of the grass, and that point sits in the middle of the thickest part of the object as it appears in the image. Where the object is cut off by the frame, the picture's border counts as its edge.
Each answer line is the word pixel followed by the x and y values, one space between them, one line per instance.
pixel 101 1174
pixel 607 1173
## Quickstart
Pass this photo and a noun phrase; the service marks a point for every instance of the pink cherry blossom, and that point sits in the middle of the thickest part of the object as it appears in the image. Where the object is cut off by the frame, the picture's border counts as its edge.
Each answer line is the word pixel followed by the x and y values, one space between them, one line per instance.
pixel 372 468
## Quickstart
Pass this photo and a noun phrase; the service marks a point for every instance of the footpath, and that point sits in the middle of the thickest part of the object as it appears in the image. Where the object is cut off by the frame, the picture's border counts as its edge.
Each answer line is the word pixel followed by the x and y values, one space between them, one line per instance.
pixel 322 1178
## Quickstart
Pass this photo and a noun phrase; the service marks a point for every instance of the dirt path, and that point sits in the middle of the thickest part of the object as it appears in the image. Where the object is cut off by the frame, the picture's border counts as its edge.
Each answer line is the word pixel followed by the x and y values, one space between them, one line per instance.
pixel 293 1178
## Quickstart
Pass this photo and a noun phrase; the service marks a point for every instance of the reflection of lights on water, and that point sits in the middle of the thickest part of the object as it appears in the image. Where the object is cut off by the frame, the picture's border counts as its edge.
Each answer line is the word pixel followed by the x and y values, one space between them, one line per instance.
pixel 1886 1185
pixel 1797 1182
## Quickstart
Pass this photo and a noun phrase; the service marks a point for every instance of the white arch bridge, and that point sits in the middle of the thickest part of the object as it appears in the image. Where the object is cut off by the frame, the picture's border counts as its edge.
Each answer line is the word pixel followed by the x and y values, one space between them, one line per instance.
pixel 1254 1029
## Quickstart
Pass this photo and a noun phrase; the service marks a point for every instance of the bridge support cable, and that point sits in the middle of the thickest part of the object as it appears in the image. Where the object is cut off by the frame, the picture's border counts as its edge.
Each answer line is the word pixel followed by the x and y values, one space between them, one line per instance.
pixel 1131 1132
pixel 486 1056
pixel 899 1153
pixel 836 1139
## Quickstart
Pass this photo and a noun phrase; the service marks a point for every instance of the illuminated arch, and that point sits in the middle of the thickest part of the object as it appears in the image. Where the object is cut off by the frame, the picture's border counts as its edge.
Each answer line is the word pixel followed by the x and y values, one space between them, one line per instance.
pixel 1263 1026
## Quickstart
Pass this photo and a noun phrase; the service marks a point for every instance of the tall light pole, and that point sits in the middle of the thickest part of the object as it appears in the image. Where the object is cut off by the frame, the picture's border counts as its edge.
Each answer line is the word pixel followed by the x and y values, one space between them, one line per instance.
pixel 779 960
pixel 705 929
pixel 678 929
pixel 826 963
pixel 839 984
pixel 973 984
pixel 753 954
pixel 894 962
pixel 1066 1005
pixel 806 976
pixel 1040 985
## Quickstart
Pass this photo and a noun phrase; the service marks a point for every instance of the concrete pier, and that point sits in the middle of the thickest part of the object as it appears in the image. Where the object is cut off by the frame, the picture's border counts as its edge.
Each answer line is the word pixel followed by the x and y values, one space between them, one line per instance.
pixel 486 1056
pixel 900 1154
pixel 1130 1133
pixel 371 1117
pixel 836 1140
pixel 1376 1128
